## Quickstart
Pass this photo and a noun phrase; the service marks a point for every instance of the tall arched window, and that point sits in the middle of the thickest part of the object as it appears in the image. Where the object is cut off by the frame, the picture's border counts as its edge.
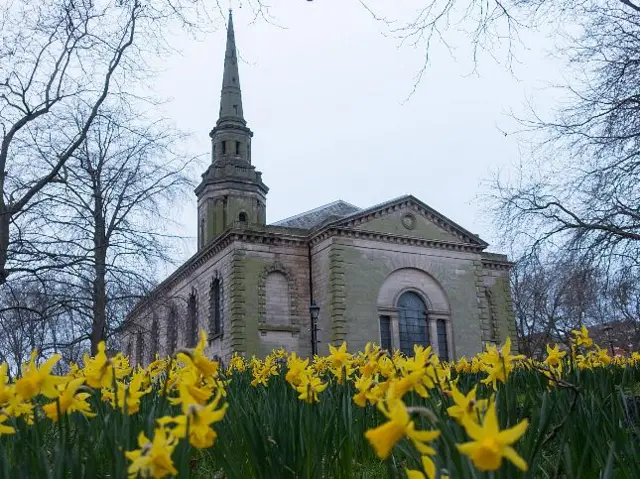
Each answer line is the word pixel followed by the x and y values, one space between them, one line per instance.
pixel 278 302
pixel 215 319
pixel 443 343
pixel 172 329
pixel 412 322
pixel 192 320
pixel 154 339
pixel 139 347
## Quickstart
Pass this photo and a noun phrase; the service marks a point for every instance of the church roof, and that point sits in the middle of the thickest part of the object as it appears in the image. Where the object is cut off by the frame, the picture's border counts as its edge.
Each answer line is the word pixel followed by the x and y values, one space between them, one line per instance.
pixel 315 217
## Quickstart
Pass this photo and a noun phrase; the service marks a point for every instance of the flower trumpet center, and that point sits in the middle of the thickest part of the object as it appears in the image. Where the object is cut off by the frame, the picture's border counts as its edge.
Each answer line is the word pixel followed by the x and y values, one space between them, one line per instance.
pixel 487 456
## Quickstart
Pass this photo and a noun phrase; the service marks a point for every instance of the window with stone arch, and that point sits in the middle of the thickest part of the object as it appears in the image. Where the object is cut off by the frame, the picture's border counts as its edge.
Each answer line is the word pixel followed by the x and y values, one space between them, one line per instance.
pixel 215 308
pixel 172 329
pixel 412 322
pixel 202 232
pixel 192 319
pixel 493 327
pixel 153 350
pixel 139 347
pixel 278 300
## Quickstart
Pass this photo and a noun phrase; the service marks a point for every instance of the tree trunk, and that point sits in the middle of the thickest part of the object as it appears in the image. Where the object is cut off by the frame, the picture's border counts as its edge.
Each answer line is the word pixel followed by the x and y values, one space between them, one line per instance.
pixel 98 326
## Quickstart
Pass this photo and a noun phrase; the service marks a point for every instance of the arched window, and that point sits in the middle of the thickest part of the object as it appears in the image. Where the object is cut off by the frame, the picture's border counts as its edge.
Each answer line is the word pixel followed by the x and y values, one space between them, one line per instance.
pixel 154 339
pixel 493 327
pixel 202 229
pixel 192 320
pixel 139 347
pixel 215 319
pixel 443 343
pixel 172 330
pixel 242 217
pixel 412 322
pixel 278 302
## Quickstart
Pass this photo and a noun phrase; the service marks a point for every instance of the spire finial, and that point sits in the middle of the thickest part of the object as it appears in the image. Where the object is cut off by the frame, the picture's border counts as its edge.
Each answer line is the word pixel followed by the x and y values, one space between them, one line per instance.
pixel 231 96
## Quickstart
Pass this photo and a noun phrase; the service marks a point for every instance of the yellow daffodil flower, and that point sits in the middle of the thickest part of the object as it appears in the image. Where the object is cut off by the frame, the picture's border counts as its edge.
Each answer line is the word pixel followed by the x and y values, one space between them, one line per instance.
pixel 383 438
pixel 466 408
pixel 3 428
pixel 339 357
pixel 310 386
pixel 68 401
pixel 36 380
pixel 153 459
pixel 490 445
pixel 201 434
pixel 554 356
pixel 582 337
pixel 296 367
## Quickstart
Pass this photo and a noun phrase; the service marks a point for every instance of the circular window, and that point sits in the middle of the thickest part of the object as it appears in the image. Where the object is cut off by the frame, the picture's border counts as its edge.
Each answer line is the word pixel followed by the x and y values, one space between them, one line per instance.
pixel 409 221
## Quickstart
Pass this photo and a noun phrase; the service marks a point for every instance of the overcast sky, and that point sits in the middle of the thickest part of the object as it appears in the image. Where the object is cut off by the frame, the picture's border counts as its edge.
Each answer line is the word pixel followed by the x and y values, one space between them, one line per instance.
pixel 325 98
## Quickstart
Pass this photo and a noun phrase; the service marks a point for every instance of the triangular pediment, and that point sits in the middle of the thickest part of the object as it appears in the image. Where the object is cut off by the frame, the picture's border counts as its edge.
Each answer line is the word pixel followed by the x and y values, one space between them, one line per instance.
pixel 408 216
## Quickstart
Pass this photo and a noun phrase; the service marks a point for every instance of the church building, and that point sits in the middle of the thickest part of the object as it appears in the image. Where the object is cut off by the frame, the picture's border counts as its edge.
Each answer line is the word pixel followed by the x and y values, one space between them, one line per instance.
pixel 397 274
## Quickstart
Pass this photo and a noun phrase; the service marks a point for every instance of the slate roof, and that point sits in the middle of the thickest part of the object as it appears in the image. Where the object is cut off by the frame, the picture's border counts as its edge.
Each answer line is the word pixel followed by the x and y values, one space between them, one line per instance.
pixel 312 218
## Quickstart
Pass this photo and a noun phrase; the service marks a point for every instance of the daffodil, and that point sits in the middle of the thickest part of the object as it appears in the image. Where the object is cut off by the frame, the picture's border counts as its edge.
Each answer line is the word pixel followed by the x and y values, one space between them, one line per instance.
pixel 490 445
pixel 68 401
pixel 197 358
pixel 99 369
pixel 466 408
pixel 339 357
pixel 36 380
pixel 309 388
pixel 296 370
pixel 498 363
pixel 554 356
pixel 200 419
pixel 383 438
pixel 3 428
pixel 153 459
pixel 582 337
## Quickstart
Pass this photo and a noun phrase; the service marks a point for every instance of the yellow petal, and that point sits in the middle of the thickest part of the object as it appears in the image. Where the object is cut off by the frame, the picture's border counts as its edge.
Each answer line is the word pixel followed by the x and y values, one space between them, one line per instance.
pixel 511 454
pixel 414 474
pixel 490 423
pixel 511 435
pixel 473 429
pixel 467 448
pixel 384 437
pixel 429 467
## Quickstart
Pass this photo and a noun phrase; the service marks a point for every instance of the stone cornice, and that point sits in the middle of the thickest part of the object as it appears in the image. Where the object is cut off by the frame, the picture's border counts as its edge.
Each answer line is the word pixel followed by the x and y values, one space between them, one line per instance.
pixel 417 206
pixel 496 264
pixel 219 244
pixel 345 232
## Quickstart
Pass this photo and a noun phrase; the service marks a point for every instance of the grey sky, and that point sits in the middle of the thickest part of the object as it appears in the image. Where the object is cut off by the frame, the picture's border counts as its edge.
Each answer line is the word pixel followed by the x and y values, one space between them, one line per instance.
pixel 325 100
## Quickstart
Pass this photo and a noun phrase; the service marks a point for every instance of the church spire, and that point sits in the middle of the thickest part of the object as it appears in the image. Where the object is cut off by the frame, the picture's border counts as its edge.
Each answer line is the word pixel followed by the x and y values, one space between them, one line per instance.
pixel 232 193
pixel 231 96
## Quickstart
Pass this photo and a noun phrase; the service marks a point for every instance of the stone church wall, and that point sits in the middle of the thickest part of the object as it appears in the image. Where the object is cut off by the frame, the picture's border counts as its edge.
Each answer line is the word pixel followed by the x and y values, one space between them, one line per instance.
pixel 500 322
pixel 320 263
pixel 363 265
pixel 157 339
pixel 259 305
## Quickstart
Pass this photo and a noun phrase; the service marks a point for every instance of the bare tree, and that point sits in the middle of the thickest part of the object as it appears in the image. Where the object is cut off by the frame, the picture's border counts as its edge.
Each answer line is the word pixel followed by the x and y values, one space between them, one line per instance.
pixel 554 294
pixel 110 212
pixel 580 189
pixel 60 60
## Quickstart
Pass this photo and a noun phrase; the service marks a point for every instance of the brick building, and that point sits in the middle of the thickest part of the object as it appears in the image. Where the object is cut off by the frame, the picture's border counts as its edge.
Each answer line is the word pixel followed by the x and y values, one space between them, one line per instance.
pixel 398 273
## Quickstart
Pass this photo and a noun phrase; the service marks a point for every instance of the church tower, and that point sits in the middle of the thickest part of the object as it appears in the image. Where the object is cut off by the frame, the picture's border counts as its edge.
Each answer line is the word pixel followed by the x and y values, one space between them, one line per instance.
pixel 231 191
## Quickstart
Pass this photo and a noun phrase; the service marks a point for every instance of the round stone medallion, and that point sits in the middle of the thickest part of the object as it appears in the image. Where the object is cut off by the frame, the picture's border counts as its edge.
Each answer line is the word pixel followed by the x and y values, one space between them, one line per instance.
pixel 409 221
